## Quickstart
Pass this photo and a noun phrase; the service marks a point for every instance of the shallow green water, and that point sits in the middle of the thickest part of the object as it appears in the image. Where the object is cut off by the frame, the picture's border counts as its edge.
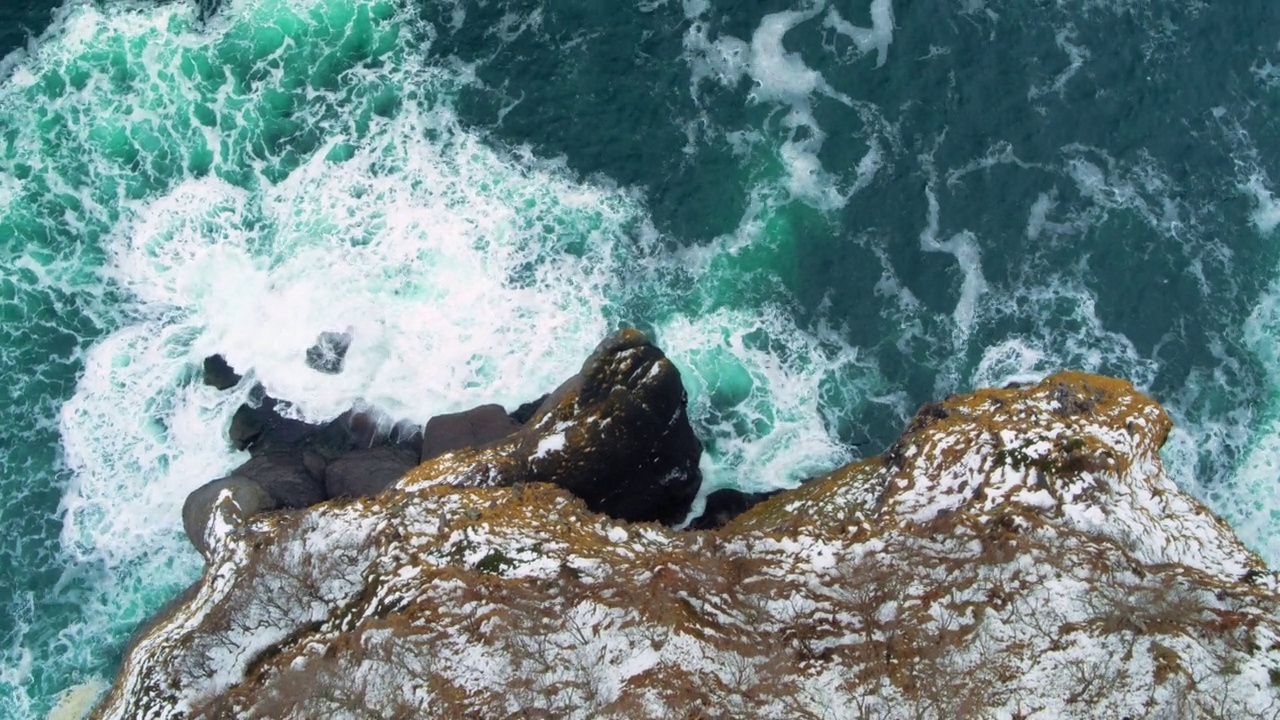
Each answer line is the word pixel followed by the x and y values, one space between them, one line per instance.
pixel 826 216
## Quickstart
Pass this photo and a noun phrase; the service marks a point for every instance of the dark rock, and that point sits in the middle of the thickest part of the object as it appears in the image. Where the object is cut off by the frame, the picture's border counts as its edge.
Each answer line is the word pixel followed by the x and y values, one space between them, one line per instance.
pixel 347 432
pixel 528 410
pixel 928 414
pixel 617 435
pixel 726 504
pixel 247 497
pixel 408 437
pixel 218 374
pixel 286 479
pixel 314 462
pixel 329 352
pixel 262 429
pixel 1071 401
pixel 363 428
pixel 366 472
pixel 246 426
pixel 471 428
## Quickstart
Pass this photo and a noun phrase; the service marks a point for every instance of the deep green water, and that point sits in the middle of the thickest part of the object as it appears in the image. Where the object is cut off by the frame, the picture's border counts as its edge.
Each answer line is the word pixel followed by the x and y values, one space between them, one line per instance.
pixel 826 213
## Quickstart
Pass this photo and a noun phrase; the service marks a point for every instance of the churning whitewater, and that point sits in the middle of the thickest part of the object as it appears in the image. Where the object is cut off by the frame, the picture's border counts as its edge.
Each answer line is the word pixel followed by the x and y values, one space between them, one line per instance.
pixel 826 213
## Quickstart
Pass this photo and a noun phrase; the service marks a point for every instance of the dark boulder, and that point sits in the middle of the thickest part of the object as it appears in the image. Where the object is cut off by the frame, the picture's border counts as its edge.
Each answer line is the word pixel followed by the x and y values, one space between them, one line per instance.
pixel 286 479
pixel 261 428
pixel 468 429
pixel 241 497
pixel 247 425
pixel 526 411
pixel 366 472
pixel 617 434
pixel 363 429
pixel 726 504
pixel 408 437
pixel 330 352
pixel 218 374
pixel 349 431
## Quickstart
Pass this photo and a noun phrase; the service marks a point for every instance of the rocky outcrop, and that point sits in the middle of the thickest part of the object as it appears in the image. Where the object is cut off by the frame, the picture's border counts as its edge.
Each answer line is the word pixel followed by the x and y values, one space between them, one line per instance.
pixel 615 434
pixel 218 373
pixel 1016 553
pixel 330 352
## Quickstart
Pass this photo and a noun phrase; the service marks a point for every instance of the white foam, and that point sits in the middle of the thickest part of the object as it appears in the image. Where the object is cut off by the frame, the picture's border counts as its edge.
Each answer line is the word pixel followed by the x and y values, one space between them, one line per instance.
pixel 1267 74
pixel 19 661
pixel 1077 56
pixel 783 78
pixel 1039 212
pixel 1251 500
pixel 466 274
pixel 77 702
pixel 877 37
pixel 139 440
pixel 1014 360
pixel 964 247
pixel 761 411
pixel 1266 214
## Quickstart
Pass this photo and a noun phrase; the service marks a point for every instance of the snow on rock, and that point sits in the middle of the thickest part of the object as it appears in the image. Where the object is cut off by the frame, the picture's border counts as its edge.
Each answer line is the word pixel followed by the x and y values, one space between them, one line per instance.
pixel 1017 553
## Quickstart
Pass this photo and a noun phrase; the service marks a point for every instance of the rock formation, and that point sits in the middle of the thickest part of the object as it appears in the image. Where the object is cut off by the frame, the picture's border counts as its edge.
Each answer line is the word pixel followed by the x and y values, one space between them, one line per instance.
pixel 330 352
pixel 1016 553
pixel 616 435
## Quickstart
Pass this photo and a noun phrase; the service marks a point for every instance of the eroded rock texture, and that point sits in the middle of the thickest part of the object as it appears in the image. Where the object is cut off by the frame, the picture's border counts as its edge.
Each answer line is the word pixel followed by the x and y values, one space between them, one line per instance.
pixel 1017 553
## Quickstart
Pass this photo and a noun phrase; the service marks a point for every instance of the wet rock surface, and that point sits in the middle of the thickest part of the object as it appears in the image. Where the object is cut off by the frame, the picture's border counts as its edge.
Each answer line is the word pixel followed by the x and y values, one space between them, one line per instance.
pixel 330 352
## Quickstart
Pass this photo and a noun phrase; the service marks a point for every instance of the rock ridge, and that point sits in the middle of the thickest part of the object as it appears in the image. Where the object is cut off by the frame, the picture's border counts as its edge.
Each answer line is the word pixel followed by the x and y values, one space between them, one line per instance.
pixel 1016 553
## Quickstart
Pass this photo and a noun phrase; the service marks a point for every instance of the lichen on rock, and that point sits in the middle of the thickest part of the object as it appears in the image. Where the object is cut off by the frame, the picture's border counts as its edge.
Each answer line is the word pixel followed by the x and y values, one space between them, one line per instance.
pixel 1016 553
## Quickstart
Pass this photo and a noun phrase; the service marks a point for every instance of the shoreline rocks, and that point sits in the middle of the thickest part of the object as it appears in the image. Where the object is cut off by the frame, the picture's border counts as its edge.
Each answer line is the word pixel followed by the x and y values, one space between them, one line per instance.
pixel 635 455
pixel 1017 552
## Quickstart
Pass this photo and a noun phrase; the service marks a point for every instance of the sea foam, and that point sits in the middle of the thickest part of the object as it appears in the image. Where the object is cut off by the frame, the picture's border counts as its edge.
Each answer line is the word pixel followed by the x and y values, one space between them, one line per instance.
pixel 298 168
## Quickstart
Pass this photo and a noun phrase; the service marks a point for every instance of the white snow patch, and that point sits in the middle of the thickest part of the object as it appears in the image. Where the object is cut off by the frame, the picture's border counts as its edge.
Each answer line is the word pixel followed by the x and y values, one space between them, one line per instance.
pixel 548 445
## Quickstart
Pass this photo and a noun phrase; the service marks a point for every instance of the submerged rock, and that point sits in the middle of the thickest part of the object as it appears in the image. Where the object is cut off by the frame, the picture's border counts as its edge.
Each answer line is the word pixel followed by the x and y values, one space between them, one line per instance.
pixel 330 352
pixel 1017 552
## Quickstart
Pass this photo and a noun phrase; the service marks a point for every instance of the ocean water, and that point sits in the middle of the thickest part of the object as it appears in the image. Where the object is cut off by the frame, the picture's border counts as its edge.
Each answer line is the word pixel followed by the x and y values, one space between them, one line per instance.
pixel 827 213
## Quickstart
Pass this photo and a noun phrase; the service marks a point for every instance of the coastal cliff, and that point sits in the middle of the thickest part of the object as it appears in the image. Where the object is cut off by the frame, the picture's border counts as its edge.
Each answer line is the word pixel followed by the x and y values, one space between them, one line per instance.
pixel 1016 553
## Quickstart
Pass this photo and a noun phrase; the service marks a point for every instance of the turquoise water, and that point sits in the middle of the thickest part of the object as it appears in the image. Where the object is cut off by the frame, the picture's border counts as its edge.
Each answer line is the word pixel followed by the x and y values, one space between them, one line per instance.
pixel 825 213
